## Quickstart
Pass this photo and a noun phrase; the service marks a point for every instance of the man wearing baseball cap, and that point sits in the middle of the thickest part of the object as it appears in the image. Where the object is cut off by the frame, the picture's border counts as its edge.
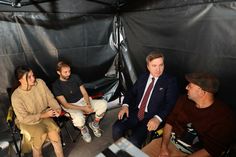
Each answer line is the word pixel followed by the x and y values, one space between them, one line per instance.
pixel 199 125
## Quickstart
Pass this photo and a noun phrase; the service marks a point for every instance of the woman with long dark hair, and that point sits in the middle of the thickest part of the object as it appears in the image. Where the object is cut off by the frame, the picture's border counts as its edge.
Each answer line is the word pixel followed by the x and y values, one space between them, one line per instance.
pixel 34 106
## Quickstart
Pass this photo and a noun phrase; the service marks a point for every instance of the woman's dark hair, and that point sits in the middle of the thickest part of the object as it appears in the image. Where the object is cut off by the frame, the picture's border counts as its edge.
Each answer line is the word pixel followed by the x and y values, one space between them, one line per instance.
pixel 20 71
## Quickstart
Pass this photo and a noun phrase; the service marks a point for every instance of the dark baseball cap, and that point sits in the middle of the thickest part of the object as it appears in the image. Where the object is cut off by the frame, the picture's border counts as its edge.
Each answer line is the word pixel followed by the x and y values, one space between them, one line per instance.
pixel 206 81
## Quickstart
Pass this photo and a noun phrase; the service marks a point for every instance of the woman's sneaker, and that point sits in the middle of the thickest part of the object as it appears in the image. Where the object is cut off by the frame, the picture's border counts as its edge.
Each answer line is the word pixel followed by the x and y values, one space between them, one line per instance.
pixel 96 129
pixel 85 134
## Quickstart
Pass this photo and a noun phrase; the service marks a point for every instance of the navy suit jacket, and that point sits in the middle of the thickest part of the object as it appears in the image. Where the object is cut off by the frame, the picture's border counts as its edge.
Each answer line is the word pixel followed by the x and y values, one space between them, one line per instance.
pixel 162 100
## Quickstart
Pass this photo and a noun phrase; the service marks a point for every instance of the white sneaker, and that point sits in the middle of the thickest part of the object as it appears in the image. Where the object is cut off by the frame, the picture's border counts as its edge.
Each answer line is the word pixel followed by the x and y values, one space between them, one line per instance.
pixel 96 130
pixel 85 135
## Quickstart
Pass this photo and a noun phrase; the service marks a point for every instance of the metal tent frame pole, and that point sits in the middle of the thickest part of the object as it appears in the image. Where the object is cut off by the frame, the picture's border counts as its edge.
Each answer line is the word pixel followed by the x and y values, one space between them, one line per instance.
pixel 116 6
pixel 118 22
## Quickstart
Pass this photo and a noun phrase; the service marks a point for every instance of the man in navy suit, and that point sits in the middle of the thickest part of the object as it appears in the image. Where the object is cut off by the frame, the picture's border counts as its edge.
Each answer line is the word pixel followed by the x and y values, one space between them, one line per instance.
pixel 159 102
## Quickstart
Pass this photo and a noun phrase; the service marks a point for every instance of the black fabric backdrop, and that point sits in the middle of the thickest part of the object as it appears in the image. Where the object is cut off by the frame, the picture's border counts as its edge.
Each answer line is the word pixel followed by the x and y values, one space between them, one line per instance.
pixel 194 38
pixel 40 43
pixel 41 35
pixel 197 35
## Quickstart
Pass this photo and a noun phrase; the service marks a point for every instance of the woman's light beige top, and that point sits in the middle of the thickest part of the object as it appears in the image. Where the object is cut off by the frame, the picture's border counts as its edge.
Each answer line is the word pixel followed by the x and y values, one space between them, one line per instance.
pixel 28 105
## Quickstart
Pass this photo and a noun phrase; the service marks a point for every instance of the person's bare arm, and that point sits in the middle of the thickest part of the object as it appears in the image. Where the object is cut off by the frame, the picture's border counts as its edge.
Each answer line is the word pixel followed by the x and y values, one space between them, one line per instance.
pixel 85 95
pixel 67 105
pixel 165 140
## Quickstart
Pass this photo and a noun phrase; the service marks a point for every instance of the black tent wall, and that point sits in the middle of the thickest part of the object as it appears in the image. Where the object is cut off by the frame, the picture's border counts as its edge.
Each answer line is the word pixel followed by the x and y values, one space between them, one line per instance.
pixel 83 42
pixel 40 35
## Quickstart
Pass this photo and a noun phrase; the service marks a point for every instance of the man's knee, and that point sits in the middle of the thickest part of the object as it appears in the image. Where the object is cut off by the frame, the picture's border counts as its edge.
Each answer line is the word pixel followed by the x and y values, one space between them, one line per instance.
pixel 79 122
pixel 100 108
pixel 104 104
pixel 100 105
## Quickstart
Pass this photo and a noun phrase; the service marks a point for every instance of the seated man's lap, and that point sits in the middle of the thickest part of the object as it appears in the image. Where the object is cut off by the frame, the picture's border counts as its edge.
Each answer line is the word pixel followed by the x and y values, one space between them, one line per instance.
pixel 138 130
pixel 125 124
pixel 138 135
pixel 78 117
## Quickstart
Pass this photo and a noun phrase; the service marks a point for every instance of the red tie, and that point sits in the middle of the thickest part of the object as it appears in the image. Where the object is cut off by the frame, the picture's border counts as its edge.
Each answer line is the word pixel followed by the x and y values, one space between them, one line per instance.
pixel 144 101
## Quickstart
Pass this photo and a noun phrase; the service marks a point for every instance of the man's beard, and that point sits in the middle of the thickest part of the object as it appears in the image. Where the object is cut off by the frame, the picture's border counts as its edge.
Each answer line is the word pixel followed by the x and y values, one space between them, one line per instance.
pixel 65 77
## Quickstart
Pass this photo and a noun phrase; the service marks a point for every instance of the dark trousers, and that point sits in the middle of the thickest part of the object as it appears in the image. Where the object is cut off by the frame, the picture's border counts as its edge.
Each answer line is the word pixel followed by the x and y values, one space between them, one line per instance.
pixel 138 129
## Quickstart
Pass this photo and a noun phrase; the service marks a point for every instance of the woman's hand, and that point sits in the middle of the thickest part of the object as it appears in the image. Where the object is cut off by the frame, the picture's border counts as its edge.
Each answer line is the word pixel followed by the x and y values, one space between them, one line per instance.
pixel 51 113
pixel 47 114
pixel 57 112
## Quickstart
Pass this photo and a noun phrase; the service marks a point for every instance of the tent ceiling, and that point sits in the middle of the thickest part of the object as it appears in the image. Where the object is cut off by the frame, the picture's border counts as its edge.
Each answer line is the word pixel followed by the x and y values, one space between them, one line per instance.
pixel 55 6
pixel 96 6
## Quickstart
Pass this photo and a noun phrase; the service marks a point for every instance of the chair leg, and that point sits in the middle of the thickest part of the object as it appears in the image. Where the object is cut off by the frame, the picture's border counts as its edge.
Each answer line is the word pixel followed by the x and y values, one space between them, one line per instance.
pixel 62 140
pixel 18 151
pixel 73 140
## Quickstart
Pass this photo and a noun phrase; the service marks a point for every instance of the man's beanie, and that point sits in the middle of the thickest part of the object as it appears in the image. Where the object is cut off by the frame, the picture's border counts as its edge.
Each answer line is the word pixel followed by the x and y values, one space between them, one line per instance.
pixel 206 81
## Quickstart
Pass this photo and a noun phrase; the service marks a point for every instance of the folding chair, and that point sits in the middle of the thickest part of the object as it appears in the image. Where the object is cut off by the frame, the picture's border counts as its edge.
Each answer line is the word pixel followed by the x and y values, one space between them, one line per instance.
pixel 15 132
pixel 231 151
pixel 62 121
pixel 16 135
pixel 65 117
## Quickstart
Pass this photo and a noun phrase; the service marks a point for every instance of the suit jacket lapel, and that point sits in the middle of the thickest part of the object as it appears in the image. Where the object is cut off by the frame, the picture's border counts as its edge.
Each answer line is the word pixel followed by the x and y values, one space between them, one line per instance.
pixel 158 83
